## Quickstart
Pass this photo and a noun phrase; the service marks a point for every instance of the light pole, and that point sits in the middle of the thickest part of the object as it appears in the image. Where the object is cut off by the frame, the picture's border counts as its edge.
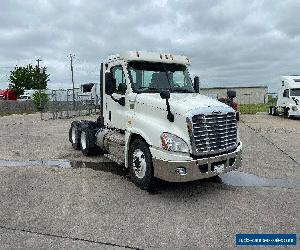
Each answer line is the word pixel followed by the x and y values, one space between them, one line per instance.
pixel 72 75
pixel 39 84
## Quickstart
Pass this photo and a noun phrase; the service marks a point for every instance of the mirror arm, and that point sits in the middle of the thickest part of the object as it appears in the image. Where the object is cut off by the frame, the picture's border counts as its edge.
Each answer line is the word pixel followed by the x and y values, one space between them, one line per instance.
pixel 170 115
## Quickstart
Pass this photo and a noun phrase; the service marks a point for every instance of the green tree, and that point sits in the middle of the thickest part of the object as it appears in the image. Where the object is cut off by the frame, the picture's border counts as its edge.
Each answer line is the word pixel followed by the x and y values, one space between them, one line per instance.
pixel 29 77
pixel 40 100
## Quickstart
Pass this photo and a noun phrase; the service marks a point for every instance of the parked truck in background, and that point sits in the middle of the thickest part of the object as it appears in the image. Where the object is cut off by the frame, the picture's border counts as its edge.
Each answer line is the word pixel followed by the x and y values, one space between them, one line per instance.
pixel 89 93
pixel 288 102
pixel 8 94
pixel 156 124
pixel 229 100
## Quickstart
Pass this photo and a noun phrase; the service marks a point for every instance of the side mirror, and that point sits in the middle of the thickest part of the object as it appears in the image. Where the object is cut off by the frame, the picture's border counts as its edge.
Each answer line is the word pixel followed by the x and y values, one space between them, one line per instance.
pixel 196 84
pixel 110 83
pixel 165 94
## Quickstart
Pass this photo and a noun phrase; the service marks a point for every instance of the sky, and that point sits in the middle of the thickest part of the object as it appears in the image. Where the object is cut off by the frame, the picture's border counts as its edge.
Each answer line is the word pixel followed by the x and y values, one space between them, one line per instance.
pixel 230 42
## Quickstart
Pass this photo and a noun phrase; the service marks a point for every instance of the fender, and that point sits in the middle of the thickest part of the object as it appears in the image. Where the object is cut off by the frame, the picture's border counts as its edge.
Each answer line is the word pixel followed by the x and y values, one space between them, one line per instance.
pixel 128 134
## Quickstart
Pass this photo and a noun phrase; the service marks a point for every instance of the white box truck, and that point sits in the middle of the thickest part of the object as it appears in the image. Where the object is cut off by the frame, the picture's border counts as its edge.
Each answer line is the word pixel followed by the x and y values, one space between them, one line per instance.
pixel 288 102
pixel 155 123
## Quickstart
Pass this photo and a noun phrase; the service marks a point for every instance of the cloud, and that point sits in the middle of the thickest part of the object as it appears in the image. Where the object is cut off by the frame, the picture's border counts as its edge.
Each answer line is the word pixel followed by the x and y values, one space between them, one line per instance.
pixel 229 42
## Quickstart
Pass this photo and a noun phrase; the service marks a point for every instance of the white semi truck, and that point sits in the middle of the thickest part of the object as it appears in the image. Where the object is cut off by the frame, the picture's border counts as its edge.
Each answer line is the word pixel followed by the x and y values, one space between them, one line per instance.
pixel 288 102
pixel 156 124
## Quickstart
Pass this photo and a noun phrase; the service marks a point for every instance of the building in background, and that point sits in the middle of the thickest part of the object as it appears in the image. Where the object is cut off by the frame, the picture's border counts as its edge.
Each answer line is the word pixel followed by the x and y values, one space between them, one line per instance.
pixel 244 94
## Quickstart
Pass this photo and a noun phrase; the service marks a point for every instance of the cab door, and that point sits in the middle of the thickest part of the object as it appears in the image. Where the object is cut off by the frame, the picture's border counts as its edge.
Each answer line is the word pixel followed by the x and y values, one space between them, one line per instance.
pixel 115 113
pixel 285 98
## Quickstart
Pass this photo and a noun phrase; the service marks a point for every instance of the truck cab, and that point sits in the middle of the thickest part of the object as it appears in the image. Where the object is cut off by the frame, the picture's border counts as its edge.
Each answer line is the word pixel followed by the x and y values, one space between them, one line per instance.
pixel 156 124
pixel 288 102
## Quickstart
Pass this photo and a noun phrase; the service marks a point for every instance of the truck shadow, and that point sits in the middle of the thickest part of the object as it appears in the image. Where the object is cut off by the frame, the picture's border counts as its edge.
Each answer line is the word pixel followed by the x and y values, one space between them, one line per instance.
pixel 228 180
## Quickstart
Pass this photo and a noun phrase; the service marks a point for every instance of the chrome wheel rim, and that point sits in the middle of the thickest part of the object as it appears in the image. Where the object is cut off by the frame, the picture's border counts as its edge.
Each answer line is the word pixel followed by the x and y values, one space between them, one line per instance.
pixel 73 135
pixel 83 140
pixel 139 163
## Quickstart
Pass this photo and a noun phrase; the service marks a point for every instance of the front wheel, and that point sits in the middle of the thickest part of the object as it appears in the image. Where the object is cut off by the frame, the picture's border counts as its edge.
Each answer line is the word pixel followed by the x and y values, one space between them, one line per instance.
pixel 140 164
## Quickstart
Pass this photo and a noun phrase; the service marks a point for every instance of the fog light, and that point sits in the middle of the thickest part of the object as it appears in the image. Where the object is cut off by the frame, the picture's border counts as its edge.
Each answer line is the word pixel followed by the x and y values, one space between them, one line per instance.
pixel 181 171
pixel 294 108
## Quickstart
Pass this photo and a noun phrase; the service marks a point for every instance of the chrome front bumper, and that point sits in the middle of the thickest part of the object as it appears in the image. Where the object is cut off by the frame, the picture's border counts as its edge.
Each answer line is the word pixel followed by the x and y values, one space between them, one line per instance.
pixel 168 170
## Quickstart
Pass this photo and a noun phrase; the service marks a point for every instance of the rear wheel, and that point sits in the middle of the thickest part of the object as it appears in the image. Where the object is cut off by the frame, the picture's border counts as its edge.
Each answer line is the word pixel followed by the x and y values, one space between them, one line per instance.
pixel 285 112
pixel 74 135
pixel 140 164
pixel 88 141
pixel 274 111
pixel 270 110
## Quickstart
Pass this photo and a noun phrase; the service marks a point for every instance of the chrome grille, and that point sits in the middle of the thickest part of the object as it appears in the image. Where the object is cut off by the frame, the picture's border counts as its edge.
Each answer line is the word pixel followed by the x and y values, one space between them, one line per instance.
pixel 214 133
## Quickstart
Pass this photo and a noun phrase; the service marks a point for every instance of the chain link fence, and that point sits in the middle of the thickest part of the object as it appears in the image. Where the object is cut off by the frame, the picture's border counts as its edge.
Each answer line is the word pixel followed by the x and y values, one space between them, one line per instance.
pixel 8 107
pixel 62 105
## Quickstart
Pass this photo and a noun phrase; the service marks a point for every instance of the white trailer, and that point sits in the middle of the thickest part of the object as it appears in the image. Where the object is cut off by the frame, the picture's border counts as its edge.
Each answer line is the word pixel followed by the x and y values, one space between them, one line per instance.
pixel 89 92
pixel 288 102
pixel 155 123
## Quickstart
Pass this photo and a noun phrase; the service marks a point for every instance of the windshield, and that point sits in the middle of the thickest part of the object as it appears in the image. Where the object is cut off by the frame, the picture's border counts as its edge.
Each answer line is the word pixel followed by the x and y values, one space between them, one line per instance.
pixel 155 77
pixel 295 92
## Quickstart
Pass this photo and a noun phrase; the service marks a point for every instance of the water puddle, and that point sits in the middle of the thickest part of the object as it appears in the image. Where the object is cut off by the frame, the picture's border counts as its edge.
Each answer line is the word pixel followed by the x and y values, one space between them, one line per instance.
pixel 233 178
pixel 241 179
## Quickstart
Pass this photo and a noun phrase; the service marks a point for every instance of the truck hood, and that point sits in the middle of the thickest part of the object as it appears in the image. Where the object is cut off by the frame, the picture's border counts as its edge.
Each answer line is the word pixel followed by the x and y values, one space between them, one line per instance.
pixel 180 103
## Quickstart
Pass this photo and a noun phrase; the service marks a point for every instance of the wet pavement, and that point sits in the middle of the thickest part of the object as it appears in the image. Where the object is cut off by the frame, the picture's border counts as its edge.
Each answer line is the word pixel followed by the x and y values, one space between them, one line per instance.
pixel 233 178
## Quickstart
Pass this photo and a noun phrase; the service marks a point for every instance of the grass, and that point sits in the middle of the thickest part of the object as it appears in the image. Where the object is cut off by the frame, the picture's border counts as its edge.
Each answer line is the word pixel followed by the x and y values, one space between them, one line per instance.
pixel 253 108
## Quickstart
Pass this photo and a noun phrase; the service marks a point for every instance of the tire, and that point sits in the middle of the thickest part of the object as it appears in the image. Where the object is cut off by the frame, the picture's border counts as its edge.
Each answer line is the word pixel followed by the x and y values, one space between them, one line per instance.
pixel 270 110
pixel 88 140
pixel 140 164
pixel 286 112
pixel 274 111
pixel 74 135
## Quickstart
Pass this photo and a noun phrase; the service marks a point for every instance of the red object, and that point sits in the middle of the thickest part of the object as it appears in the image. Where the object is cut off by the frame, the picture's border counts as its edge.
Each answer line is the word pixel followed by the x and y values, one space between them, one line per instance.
pixel 8 94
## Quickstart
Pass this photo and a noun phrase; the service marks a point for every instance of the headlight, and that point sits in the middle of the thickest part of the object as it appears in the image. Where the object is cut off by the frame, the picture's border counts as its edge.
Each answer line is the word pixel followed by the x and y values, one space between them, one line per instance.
pixel 294 108
pixel 172 142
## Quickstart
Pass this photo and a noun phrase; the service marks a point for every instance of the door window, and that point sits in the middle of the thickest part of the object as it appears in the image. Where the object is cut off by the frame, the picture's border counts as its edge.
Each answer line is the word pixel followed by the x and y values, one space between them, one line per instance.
pixel 118 74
